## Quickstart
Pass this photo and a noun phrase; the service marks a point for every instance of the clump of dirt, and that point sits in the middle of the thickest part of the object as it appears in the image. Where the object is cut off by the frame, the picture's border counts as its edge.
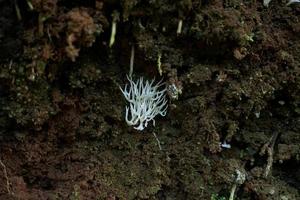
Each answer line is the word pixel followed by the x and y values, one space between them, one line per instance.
pixel 232 70
pixel 80 28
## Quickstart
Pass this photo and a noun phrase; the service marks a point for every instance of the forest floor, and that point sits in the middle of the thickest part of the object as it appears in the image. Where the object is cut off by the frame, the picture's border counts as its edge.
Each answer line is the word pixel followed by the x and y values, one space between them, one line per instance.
pixel 232 128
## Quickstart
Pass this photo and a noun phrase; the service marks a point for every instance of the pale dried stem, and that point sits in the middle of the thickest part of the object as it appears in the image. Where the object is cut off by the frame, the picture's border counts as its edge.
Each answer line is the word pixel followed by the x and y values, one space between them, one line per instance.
pixel 268 149
pixel 131 61
pixel 158 142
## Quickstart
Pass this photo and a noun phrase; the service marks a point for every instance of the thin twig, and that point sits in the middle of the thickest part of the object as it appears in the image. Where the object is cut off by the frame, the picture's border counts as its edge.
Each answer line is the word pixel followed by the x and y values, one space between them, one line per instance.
pixel 131 61
pixel 239 180
pixel 18 12
pixel 115 18
pixel 179 27
pixel 159 63
pixel 158 142
pixel 268 149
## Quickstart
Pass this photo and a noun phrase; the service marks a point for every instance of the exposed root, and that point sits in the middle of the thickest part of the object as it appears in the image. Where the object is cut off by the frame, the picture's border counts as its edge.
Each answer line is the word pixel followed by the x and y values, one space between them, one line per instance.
pixel 179 27
pixel 29 4
pixel 239 180
pixel 18 12
pixel 115 18
pixel 269 149
pixel 131 61
pixel 158 142
pixel 159 64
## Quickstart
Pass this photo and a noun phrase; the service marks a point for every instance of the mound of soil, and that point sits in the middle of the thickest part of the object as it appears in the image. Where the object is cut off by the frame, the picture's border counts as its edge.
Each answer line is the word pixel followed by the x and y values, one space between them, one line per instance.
pixel 232 129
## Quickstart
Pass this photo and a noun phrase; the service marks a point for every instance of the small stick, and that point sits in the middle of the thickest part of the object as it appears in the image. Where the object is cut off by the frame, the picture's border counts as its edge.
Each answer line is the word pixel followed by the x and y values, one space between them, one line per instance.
pixel 115 18
pixel 179 27
pixel 239 180
pixel 158 142
pixel 269 148
pixel 131 61
pixel 29 4
pixel 159 64
pixel 18 12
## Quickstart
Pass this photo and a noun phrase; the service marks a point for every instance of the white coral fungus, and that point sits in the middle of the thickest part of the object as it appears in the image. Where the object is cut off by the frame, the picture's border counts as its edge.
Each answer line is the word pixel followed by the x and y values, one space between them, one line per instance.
pixel 146 101
pixel 266 2
pixel 292 1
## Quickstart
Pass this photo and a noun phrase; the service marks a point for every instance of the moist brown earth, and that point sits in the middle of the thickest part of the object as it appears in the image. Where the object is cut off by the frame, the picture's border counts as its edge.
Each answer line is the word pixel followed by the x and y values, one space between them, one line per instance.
pixel 63 133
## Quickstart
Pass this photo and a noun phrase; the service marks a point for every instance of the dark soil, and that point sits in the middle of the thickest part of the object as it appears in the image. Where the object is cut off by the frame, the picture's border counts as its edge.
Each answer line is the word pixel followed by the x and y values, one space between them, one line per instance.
pixel 63 133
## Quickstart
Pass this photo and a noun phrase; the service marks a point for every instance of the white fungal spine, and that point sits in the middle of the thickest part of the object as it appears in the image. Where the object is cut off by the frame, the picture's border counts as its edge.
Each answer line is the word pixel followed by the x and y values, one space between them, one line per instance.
pixel 292 1
pixel 146 101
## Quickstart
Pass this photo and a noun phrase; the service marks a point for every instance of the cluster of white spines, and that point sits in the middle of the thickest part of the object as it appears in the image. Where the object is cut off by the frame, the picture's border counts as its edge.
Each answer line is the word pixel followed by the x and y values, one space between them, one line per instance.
pixel 146 101
pixel 266 2
pixel 292 1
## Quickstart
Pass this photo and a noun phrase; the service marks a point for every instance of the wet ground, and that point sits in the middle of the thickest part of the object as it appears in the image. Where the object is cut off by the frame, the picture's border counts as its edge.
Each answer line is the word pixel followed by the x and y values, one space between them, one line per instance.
pixel 63 133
